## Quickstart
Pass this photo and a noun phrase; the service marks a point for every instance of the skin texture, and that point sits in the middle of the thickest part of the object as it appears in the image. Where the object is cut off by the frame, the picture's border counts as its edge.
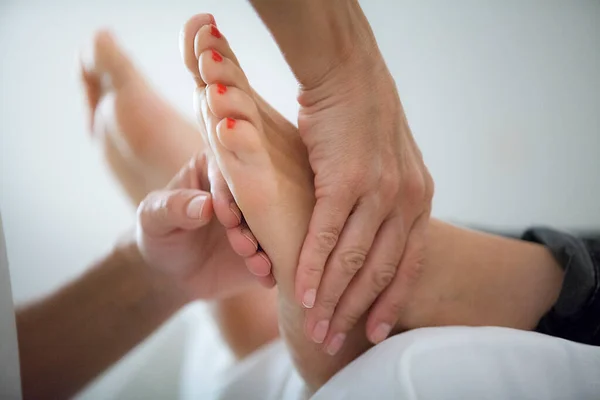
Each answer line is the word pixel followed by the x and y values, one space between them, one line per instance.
pixel 372 190
pixel 469 278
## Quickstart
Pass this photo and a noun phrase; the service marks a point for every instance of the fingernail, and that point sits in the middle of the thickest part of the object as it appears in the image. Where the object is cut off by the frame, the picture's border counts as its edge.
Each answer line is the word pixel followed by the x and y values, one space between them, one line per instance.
pixel 380 333
pixel 215 32
pixel 336 344
pixel 221 89
pixel 250 239
pixel 320 331
pixel 308 300
pixel 236 211
pixel 264 257
pixel 217 57
pixel 195 206
pixel 230 123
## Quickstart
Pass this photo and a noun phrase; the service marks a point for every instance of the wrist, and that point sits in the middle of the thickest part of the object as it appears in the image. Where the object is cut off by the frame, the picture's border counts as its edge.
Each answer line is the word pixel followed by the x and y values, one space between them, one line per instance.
pixel 318 37
pixel 158 285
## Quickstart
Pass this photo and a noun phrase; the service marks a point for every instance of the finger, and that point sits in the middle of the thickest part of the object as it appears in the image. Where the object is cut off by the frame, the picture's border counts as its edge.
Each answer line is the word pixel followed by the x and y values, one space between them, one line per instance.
pixel 345 261
pixel 226 209
pixel 242 241
pixel 388 308
pixel 326 224
pixel 267 281
pixel 163 212
pixel 259 264
pixel 190 176
pixel 379 270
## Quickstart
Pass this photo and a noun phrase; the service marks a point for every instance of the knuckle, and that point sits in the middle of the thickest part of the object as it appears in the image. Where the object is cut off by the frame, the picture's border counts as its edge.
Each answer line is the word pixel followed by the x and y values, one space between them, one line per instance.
pixel 148 207
pixel 311 270
pixel 381 278
pixel 412 271
pixel 327 239
pixel 352 260
pixel 390 186
pixel 328 301
pixel 414 188
pixel 348 320
pixel 429 187
pixel 395 308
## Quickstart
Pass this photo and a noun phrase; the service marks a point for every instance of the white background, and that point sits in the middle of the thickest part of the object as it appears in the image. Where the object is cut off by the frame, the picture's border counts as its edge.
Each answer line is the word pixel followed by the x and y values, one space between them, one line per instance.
pixel 503 98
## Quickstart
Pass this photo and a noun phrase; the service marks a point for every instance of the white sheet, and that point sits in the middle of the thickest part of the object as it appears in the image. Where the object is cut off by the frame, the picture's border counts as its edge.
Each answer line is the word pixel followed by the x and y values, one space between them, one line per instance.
pixel 431 363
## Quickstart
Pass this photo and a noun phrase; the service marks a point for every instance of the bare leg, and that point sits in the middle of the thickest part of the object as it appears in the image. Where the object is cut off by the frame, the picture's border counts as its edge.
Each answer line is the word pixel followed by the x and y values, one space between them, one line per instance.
pixel 145 142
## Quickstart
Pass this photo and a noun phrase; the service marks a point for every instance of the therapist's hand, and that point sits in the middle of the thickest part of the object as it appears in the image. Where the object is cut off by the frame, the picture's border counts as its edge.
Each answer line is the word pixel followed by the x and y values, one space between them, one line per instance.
pixel 177 234
pixel 366 239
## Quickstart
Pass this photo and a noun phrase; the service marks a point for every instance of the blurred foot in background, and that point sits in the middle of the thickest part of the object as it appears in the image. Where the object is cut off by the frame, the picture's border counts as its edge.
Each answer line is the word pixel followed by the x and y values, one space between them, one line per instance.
pixel 144 139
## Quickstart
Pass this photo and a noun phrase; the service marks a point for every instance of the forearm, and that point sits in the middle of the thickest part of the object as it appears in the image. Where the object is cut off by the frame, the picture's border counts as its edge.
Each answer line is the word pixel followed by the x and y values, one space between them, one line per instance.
pixel 469 278
pixel 315 36
pixel 69 338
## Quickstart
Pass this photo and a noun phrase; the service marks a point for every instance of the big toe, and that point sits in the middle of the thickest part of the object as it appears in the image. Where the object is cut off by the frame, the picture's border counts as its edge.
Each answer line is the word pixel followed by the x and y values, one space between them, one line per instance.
pixel 108 65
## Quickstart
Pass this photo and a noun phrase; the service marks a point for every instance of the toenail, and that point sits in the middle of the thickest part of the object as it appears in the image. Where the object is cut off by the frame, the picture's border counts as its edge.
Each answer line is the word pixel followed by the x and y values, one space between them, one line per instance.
pixel 230 123
pixel 320 331
pixel 221 88
pixel 216 56
pixel 215 31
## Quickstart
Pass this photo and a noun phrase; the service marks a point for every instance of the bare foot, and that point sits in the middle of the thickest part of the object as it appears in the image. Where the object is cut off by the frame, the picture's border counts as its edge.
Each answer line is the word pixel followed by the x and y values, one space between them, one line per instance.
pixel 145 141
pixel 266 167
pixel 467 275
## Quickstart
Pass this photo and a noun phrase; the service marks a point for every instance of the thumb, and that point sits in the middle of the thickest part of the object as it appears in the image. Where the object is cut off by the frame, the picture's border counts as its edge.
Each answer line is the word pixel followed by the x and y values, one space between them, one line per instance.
pixel 163 212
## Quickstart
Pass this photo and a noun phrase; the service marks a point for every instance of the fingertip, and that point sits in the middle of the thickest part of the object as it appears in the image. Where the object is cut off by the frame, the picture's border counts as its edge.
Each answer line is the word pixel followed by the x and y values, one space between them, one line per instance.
pixel 267 281
pixel 379 333
pixel 259 264
pixel 308 298
pixel 242 241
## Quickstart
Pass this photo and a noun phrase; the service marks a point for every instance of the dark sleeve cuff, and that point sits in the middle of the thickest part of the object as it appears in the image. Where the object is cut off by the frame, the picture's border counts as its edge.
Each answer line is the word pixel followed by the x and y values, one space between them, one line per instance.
pixel 576 314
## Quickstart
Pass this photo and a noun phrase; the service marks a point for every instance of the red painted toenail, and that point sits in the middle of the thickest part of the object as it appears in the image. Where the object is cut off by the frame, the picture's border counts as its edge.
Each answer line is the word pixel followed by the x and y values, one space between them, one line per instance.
pixel 215 32
pixel 230 123
pixel 216 56
pixel 221 88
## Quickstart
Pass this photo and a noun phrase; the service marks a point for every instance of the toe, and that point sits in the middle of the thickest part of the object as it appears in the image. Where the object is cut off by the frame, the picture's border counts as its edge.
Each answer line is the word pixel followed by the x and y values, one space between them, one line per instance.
pixel 239 137
pixel 186 40
pixel 216 68
pixel 229 101
pixel 210 37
